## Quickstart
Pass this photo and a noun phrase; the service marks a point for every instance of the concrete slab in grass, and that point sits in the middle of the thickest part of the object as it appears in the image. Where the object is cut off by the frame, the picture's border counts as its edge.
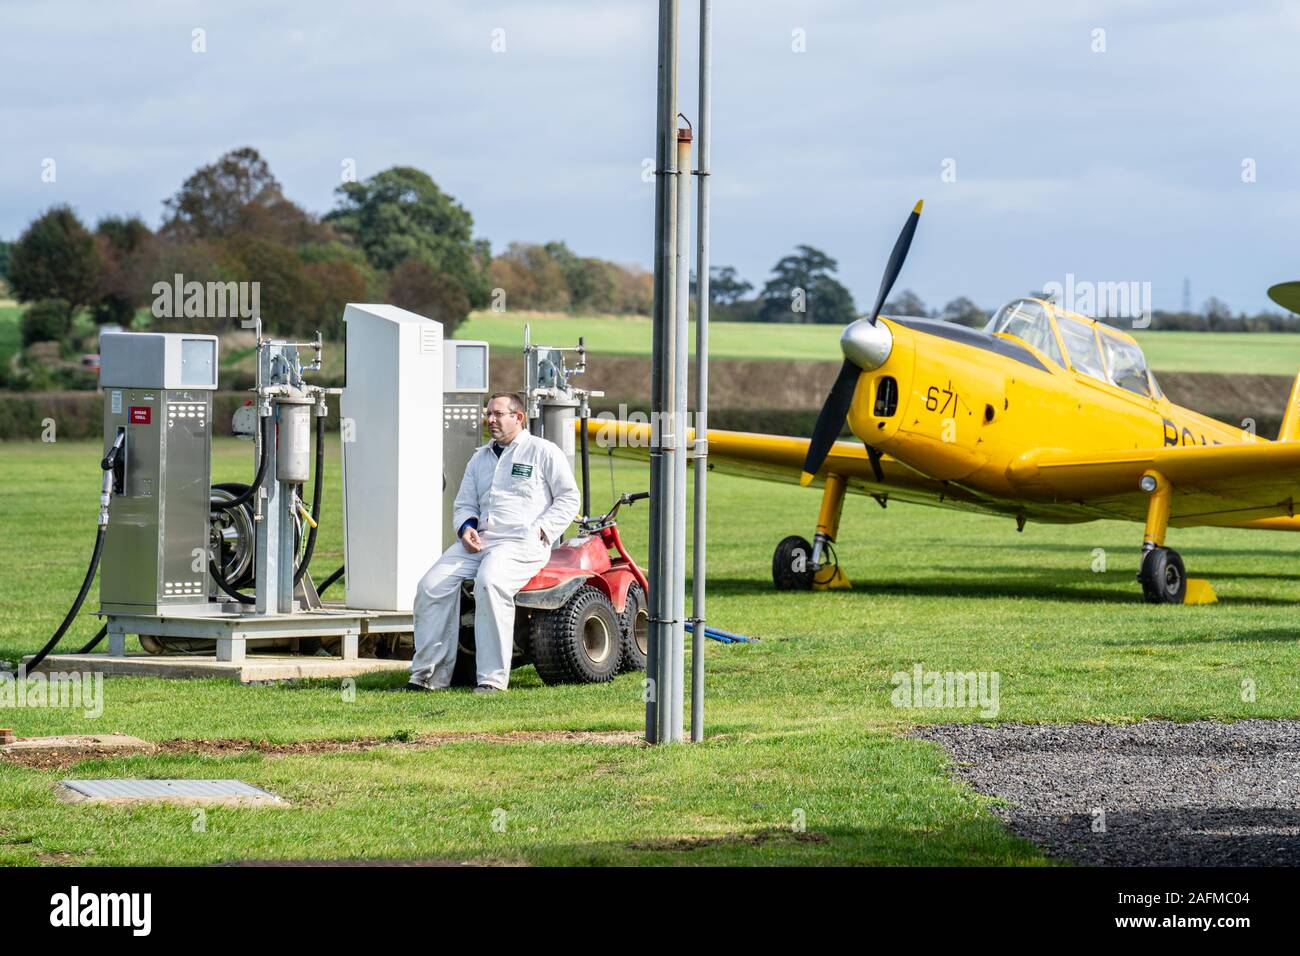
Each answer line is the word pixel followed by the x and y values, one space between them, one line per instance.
pixel 187 792
pixel 252 669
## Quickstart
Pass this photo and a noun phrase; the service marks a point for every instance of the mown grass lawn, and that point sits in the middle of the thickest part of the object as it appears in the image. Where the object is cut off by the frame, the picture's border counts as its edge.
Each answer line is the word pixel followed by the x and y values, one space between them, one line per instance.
pixel 800 725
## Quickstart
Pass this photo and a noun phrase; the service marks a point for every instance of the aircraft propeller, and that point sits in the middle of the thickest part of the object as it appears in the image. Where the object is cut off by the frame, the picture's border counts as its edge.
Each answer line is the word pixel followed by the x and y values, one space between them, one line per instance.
pixel 835 411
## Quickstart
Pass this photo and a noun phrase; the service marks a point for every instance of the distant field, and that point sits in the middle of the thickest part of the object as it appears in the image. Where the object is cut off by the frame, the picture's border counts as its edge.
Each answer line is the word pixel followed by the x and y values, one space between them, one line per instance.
pixel 1255 353
pixel 1260 353
pixel 631 335
pixel 10 336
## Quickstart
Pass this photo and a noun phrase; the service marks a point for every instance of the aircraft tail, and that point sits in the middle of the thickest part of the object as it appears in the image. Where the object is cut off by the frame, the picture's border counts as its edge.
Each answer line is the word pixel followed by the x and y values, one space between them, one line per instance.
pixel 1291 420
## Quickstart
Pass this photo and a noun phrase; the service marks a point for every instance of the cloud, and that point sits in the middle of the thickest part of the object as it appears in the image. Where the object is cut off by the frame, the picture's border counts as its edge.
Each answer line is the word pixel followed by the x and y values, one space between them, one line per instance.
pixel 1126 162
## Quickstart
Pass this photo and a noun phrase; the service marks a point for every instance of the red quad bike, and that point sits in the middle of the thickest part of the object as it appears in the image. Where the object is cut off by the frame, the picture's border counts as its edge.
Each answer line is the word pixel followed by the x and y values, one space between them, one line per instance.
pixel 583 618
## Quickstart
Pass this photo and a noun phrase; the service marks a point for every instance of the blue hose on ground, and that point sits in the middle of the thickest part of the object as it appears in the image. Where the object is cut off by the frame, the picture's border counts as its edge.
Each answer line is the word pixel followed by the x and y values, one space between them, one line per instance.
pixel 717 634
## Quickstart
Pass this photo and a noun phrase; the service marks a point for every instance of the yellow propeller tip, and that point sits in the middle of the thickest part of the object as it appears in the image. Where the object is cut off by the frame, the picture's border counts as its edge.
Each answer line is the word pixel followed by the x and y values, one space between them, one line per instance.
pixel 805 479
pixel 919 204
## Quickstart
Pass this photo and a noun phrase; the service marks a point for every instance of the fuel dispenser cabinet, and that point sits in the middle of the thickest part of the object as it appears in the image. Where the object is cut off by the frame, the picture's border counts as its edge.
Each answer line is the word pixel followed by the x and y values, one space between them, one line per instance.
pixel 158 390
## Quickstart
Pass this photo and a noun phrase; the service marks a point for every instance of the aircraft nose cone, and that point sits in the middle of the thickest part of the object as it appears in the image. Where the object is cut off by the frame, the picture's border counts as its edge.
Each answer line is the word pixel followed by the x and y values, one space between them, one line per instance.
pixel 865 345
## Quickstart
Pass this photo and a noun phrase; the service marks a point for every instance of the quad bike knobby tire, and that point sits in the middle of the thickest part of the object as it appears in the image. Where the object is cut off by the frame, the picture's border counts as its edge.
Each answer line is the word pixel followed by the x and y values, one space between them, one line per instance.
pixel 578 643
pixel 634 624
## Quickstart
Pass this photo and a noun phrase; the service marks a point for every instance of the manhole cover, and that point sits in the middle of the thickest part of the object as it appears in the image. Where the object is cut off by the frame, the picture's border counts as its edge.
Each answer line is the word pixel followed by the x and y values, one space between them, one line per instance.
pixel 188 791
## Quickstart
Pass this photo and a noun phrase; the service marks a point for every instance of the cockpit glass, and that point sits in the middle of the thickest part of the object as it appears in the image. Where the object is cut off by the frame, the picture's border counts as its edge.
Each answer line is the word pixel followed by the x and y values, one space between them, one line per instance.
pixel 1128 367
pixel 1081 345
pixel 1027 320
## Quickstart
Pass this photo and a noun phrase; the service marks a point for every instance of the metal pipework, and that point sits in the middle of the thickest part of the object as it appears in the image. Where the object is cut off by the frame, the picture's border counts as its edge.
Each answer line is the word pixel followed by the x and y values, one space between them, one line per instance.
pixel 286 404
pixel 293 440
pixel 554 402
pixel 661 361
pixel 680 421
pixel 700 450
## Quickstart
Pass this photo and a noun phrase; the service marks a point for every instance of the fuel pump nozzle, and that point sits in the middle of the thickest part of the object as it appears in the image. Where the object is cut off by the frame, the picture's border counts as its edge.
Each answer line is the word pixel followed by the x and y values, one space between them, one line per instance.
pixel 113 475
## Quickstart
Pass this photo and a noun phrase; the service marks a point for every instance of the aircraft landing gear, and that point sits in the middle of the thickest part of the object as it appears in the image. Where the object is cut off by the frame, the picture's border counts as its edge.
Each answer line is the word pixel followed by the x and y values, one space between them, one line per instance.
pixel 792 568
pixel 798 566
pixel 1163 577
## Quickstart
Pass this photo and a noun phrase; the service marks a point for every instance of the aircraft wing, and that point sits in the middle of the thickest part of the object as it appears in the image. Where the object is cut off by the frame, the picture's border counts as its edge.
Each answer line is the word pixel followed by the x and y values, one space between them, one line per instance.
pixel 1253 484
pixel 781 458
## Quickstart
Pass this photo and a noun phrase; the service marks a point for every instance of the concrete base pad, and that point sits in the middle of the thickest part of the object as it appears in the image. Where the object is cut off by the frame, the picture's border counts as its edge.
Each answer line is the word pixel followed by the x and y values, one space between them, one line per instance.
pixel 252 668
pixel 190 793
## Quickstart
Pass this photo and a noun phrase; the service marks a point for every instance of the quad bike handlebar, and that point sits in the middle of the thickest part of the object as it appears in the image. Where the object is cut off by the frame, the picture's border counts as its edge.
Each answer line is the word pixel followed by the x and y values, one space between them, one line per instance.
pixel 595 524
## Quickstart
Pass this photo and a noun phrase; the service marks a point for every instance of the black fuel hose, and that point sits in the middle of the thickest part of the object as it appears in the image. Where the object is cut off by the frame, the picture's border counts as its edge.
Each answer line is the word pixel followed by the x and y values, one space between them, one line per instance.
pixel 94 641
pixel 225 585
pixel 315 500
pixel 76 605
pixel 334 576
pixel 107 466
pixel 247 495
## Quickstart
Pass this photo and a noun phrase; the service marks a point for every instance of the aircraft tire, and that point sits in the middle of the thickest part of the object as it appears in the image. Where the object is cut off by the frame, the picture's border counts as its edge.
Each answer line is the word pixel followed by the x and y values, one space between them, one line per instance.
pixel 1163 577
pixel 792 564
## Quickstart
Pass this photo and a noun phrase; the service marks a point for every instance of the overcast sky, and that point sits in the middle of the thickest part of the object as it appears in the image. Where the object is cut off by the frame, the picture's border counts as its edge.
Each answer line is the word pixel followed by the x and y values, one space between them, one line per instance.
pixel 1122 165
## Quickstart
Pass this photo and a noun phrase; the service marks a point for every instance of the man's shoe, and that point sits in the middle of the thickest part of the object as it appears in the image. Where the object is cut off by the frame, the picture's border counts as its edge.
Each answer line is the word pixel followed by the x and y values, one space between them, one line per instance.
pixel 413 686
pixel 488 689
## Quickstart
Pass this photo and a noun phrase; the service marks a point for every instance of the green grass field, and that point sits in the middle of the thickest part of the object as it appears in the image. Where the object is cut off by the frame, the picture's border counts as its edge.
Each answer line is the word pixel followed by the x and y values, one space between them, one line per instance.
pixel 799 723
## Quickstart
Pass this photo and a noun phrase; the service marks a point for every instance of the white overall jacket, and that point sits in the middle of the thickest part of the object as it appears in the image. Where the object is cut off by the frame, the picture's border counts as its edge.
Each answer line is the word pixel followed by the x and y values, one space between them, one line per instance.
pixel 530 488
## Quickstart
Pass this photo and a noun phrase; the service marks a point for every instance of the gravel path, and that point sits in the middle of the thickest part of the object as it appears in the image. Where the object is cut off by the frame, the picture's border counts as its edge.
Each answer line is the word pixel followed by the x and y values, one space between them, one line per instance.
pixel 1194 794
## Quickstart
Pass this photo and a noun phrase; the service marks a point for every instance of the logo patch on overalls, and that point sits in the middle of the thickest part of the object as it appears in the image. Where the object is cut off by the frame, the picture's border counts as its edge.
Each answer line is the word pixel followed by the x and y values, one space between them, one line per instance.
pixel 522 471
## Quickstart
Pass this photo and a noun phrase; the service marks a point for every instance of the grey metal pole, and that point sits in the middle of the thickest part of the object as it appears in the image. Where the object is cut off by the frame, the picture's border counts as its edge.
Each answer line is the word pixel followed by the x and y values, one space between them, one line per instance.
pixel 668 530
pixel 701 446
pixel 660 359
pixel 680 420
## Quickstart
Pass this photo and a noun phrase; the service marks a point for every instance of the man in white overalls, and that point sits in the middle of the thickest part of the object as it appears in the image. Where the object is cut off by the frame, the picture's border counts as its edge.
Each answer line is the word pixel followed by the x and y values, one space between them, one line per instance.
pixel 518 495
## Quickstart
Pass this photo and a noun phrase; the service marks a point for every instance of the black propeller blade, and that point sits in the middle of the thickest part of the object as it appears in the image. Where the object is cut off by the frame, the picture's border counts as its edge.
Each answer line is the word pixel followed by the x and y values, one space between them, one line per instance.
pixel 830 421
pixel 896 259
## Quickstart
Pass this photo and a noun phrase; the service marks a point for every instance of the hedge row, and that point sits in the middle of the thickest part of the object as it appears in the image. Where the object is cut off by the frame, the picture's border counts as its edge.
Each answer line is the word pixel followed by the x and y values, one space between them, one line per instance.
pixel 75 415
pixel 81 415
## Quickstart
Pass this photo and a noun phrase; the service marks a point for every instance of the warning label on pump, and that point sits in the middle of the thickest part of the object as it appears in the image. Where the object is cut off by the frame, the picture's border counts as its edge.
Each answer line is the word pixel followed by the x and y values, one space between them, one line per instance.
pixel 116 400
pixel 141 414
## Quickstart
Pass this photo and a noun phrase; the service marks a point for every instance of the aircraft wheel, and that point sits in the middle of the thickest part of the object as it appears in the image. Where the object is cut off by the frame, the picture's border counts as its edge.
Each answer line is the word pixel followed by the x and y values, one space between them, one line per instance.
pixel 792 564
pixel 1163 577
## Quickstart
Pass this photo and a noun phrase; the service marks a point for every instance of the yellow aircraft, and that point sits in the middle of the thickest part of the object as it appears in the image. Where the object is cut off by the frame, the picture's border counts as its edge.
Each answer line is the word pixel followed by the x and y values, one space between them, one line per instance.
pixel 1045 416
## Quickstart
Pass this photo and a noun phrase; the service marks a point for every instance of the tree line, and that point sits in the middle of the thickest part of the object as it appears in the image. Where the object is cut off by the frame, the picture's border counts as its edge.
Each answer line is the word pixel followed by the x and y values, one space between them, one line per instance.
pixel 395 237
pixel 1214 316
